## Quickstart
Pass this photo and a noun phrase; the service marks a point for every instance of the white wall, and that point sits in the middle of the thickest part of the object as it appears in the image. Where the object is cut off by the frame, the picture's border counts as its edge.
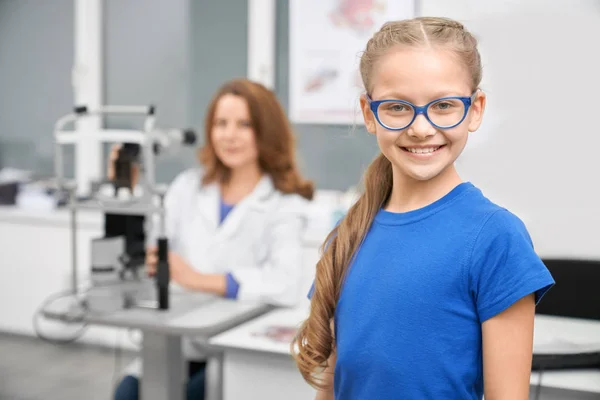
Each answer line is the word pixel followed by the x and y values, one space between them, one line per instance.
pixel 36 261
pixel 36 56
pixel 536 152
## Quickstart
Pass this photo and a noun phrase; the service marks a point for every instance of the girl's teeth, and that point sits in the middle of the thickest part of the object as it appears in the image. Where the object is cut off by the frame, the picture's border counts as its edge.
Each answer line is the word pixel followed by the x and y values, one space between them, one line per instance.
pixel 423 150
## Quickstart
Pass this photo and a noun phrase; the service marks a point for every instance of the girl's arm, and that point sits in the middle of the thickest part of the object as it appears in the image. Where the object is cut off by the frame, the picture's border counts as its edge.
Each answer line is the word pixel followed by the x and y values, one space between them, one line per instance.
pixel 507 351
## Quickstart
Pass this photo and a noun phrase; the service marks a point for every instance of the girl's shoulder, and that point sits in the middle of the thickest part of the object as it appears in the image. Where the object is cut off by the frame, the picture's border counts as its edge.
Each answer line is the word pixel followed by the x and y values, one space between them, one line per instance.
pixel 494 218
pixel 502 226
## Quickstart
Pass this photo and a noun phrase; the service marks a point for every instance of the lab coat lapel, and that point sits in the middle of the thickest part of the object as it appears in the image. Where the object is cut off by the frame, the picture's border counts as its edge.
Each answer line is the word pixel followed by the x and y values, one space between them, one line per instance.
pixel 254 201
pixel 208 205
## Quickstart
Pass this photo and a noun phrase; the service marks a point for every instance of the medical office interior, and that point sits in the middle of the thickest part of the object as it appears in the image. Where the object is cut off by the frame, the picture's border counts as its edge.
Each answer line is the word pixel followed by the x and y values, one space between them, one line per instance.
pixel 73 72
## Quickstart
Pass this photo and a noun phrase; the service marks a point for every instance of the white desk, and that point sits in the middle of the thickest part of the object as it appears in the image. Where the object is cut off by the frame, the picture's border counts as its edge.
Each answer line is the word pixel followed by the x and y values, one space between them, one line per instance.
pixel 257 367
pixel 557 332
pixel 191 315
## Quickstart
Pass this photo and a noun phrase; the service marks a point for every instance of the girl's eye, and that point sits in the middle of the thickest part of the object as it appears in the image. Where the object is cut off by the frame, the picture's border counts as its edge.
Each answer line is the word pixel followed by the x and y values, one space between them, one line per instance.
pixel 447 105
pixel 444 105
pixel 394 107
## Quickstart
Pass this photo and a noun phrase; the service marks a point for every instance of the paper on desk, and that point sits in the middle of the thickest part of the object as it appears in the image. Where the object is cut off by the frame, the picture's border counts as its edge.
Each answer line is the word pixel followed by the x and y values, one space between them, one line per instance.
pixel 277 333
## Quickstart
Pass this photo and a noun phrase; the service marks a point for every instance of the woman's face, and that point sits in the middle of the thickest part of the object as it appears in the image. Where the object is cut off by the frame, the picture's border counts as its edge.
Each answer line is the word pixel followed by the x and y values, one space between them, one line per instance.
pixel 232 135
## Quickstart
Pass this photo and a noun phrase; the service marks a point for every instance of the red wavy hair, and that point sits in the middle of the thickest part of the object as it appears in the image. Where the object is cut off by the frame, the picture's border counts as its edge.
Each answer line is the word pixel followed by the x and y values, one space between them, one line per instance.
pixel 274 139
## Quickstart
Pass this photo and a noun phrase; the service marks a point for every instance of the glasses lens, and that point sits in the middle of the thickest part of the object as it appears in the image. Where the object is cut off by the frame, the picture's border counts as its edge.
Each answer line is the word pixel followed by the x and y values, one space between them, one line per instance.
pixel 395 115
pixel 446 113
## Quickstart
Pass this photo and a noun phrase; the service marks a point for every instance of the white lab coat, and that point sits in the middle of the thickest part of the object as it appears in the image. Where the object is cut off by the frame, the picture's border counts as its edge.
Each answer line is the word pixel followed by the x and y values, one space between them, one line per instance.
pixel 259 242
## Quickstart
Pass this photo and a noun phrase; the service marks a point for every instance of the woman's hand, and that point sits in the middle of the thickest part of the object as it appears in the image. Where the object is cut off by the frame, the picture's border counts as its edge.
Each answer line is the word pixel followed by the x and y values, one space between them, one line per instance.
pixel 110 165
pixel 184 275
pixel 180 271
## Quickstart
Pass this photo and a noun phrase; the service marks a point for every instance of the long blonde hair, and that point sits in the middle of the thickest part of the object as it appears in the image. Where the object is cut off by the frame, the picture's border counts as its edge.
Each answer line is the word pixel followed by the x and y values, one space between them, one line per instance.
pixel 314 342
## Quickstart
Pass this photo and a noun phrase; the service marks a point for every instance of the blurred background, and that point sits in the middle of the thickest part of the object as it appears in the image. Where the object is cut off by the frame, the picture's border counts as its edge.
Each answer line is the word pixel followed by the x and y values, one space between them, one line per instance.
pixel 172 54
pixel 536 152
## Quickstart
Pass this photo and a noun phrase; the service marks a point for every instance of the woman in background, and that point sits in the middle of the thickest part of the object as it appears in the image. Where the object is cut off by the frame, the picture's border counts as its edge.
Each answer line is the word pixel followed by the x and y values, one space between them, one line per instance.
pixel 235 224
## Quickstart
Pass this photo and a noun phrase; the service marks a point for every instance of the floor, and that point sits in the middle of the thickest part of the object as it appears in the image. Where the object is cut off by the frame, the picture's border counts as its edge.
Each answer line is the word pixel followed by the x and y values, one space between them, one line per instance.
pixel 31 369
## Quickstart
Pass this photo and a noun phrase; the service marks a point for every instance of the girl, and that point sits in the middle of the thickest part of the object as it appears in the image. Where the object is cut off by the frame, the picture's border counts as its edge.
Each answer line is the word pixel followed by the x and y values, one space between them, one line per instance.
pixel 235 226
pixel 426 289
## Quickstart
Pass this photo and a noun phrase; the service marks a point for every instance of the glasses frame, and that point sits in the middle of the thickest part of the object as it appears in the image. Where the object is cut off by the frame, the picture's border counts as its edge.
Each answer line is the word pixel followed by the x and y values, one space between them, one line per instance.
pixel 466 100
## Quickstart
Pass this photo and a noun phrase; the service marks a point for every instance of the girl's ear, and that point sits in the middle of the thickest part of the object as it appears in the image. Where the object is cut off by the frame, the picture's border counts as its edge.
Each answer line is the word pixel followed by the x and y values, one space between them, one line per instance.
pixel 368 115
pixel 477 109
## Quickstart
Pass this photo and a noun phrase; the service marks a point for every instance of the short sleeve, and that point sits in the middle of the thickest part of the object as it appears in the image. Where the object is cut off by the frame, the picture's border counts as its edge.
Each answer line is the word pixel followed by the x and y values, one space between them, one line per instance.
pixel 504 267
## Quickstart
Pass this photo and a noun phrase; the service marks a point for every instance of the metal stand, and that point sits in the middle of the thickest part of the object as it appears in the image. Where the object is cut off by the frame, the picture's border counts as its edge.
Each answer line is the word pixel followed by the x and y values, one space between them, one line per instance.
pixel 150 141
pixel 74 272
pixel 162 358
pixel 163 273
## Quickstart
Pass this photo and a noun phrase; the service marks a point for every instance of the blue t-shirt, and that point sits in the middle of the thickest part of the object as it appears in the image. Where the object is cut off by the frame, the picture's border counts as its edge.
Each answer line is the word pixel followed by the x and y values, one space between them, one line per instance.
pixel 408 321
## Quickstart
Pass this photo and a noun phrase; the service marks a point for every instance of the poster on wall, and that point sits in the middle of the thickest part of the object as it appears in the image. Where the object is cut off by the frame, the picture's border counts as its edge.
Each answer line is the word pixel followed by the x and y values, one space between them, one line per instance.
pixel 326 40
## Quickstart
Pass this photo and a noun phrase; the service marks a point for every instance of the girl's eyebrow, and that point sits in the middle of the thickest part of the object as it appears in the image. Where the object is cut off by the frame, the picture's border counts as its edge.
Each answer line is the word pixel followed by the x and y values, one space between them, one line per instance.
pixel 392 95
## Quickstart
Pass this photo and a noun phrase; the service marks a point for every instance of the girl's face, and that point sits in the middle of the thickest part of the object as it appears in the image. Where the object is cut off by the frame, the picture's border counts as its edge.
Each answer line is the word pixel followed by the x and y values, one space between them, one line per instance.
pixel 232 135
pixel 420 75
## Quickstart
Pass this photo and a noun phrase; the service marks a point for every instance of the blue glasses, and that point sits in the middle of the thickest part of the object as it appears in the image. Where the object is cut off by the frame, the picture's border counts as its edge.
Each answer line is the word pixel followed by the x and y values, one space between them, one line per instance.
pixel 444 113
